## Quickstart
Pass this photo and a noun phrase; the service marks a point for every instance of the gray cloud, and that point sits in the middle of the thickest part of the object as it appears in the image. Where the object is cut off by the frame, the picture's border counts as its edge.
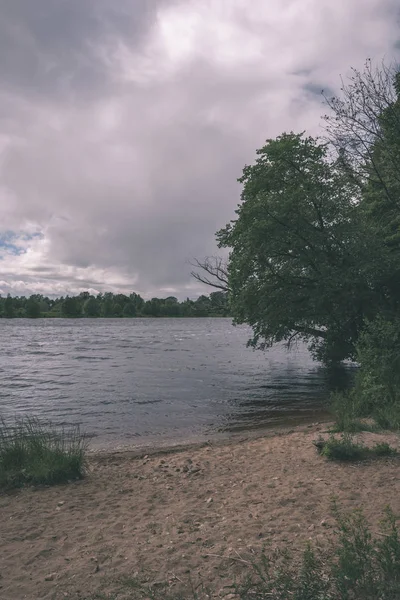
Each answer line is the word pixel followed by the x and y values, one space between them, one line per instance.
pixel 124 125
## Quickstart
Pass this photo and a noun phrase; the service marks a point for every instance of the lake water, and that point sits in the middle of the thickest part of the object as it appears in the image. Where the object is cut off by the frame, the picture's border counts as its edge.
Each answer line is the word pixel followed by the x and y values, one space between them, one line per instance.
pixel 153 381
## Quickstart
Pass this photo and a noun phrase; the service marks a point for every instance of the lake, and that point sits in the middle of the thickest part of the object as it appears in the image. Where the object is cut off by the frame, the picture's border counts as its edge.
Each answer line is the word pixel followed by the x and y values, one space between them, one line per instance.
pixel 154 381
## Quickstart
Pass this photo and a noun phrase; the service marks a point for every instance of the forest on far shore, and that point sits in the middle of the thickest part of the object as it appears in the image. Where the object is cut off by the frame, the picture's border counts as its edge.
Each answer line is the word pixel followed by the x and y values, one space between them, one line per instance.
pixel 109 305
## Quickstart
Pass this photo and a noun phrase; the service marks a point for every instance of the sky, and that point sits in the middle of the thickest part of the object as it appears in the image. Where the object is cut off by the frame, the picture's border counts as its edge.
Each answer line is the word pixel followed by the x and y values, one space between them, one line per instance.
pixel 125 125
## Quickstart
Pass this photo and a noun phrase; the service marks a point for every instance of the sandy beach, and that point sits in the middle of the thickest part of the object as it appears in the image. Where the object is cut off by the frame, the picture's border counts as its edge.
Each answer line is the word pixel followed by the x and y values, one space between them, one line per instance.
pixel 196 514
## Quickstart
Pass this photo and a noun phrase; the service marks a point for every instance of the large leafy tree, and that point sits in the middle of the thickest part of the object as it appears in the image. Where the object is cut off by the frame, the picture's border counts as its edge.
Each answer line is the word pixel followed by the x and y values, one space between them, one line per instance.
pixel 303 261
pixel 315 247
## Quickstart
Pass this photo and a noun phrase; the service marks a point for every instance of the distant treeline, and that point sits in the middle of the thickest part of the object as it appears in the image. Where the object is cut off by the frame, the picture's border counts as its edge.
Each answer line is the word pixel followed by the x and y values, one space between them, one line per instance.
pixel 112 305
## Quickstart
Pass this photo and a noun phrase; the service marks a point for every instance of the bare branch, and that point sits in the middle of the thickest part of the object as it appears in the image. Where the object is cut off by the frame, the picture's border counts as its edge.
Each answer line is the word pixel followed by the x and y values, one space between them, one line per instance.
pixel 213 271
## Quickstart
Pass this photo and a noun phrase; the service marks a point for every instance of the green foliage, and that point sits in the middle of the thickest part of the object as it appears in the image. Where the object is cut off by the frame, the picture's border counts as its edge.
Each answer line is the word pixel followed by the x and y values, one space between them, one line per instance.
pixel 315 246
pixel 296 250
pixel 32 308
pixel 343 449
pixel 376 393
pixel 71 307
pixel 8 311
pixel 113 305
pixel 384 449
pixel 378 351
pixel 357 567
pixel 32 453
pixel 91 307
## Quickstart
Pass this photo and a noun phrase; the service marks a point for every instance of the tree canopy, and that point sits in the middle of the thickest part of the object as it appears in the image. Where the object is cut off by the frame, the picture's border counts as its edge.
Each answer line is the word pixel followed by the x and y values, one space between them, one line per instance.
pixel 315 245
pixel 110 305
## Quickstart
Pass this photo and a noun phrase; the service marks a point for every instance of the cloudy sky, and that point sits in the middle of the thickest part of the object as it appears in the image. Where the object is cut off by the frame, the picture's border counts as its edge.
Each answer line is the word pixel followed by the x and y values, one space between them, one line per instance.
pixel 125 124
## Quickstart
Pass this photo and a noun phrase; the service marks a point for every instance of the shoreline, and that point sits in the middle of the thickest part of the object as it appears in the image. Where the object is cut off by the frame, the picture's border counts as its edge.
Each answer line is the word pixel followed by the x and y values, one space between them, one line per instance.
pixel 166 446
pixel 184 514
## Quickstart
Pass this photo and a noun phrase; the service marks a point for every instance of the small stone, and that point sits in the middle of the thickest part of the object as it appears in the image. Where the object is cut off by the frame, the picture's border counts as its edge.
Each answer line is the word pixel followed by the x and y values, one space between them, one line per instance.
pixel 209 500
pixel 50 577
pixel 324 523
pixel 311 528
pixel 61 503
pixel 145 457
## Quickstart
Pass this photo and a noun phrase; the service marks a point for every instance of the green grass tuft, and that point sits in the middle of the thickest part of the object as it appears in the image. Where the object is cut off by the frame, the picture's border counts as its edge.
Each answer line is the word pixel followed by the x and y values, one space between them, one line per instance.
pixel 34 453
pixel 343 449
pixel 384 449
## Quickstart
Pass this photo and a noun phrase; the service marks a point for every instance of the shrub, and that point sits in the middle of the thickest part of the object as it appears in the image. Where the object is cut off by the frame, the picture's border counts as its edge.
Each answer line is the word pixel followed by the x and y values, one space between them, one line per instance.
pixel 387 416
pixel 384 449
pixel 376 393
pixel 32 452
pixel 348 413
pixel 357 567
pixel 343 449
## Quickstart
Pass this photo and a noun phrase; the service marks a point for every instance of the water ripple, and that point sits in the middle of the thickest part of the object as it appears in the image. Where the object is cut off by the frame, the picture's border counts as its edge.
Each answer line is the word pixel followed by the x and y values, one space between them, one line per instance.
pixel 164 379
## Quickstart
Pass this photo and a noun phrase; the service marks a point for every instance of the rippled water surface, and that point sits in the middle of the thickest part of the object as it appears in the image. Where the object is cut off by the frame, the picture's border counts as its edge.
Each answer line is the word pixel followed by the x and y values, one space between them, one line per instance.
pixel 149 381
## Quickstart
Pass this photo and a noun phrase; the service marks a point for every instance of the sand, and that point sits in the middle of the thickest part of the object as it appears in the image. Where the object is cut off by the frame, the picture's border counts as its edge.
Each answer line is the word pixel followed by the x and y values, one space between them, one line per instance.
pixel 195 514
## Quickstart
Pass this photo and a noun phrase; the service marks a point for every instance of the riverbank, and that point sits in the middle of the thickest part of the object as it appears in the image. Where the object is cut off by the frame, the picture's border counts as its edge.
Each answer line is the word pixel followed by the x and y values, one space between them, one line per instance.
pixel 194 513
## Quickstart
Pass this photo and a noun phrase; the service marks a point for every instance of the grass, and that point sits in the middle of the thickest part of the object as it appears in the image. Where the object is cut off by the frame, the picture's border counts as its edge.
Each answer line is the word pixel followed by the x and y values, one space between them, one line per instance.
pixel 384 449
pixel 33 452
pixel 345 449
pixel 356 566
pixel 388 417
pixel 353 415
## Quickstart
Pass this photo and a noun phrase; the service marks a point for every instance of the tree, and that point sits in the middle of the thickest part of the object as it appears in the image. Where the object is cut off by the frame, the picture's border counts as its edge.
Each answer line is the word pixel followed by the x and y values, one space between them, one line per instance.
pixel 298 265
pixel 315 248
pixel 171 307
pixel 116 310
pixel 129 310
pixel 107 306
pixel 91 307
pixel 32 308
pixel 9 307
pixel 137 301
pixel 219 303
pixel 363 127
pixel 71 307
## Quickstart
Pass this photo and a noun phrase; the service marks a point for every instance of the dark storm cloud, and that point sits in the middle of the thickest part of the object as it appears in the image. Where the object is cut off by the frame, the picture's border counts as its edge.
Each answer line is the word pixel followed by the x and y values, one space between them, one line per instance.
pixel 57 47
pixel 124 125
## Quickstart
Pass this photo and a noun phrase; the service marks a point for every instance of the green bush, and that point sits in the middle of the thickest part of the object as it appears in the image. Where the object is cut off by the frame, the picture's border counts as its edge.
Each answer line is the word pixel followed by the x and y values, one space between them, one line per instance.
pixel 384 449
pixel 376 393
pixel 343 449
pixel 357 567
pixel 377 386
pixel 348 413
pixel 32 452
pixel 387 416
